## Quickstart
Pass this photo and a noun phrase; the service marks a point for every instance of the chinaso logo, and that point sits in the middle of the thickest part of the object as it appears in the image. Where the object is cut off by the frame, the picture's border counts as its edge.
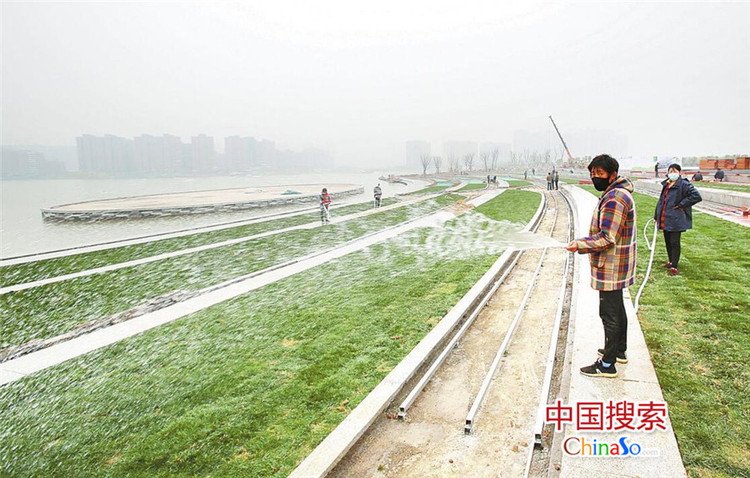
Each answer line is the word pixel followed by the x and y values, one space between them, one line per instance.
pixel 580 446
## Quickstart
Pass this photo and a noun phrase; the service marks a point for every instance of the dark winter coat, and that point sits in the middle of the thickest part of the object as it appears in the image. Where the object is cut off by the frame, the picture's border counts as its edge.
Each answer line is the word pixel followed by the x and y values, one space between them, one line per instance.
pixel 674 209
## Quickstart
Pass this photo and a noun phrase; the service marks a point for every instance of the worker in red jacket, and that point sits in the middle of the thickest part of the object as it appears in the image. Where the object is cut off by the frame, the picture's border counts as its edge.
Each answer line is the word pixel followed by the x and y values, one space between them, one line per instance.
pixel 325 203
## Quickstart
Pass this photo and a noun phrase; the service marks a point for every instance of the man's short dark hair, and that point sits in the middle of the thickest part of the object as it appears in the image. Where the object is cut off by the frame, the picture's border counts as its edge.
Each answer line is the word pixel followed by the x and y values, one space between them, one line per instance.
pixel 605 162
pixel 675 166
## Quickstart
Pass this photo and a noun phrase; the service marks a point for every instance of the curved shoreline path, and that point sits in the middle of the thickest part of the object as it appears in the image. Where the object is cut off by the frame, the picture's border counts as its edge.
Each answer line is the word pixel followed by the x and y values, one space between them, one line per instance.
pixel 182 252
pixel 196 202
pixel 25 365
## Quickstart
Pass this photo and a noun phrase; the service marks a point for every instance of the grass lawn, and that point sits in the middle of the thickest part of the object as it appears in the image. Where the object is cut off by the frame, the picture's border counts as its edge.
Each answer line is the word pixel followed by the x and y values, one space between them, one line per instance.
pixel 570 181
pixel 245 388
pixel 697 330
pixel 18 274
pixel 473 187
pixel 517 183
pixel 745 188
pixel 430 189
pixel 52 309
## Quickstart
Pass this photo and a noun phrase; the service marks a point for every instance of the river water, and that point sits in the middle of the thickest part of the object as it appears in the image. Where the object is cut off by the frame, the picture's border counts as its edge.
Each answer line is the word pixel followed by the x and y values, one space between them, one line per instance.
pixel 22 230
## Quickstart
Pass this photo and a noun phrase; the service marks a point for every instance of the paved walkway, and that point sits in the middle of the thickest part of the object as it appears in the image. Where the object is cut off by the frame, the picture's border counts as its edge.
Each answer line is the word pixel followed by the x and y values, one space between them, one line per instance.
pixel 637 381
pixel 167 255
pixel 23 366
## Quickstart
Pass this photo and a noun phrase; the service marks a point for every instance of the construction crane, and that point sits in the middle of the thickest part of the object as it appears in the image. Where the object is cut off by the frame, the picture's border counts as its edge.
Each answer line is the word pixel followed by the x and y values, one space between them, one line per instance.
pixel 570 156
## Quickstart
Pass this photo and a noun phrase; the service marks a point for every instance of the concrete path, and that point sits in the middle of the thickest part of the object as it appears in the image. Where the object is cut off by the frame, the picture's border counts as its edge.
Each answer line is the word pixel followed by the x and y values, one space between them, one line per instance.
pixel 637 381
pixel 25 365
pixel 167 255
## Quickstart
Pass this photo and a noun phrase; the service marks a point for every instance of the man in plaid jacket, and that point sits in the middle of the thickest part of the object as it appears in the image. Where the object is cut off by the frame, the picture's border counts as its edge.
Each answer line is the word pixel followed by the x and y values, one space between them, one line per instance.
pixel 611 243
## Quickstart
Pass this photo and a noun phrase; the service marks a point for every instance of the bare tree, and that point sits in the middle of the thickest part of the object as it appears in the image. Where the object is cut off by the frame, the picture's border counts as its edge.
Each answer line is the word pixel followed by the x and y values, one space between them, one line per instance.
pixel 495 155
pixel 437 161
pixel 425 159
pixel 453 162
pixel 486 160
pixel 469 160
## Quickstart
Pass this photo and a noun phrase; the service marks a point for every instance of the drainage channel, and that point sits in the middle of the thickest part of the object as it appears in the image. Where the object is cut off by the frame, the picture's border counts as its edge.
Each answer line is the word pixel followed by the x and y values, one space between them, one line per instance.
pixel 505 385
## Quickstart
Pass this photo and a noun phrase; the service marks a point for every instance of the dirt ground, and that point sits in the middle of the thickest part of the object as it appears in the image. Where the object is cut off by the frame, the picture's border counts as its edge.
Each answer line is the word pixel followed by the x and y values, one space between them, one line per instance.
pixel 431 441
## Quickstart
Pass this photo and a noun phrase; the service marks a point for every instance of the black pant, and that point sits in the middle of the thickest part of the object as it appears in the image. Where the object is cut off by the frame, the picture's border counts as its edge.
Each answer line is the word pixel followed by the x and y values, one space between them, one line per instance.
pixel 615 321
pixel 672 239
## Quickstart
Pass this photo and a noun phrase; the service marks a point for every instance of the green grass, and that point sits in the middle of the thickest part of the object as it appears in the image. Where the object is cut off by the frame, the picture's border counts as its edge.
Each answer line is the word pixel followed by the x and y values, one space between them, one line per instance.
pixel 473 187
pixel 245 388
pixel 516 206
pixel 745 188
pixel 52 309
pixel 570 181
pixel 697 330
pixel 21 273
pixel 517 183
pixel 427 190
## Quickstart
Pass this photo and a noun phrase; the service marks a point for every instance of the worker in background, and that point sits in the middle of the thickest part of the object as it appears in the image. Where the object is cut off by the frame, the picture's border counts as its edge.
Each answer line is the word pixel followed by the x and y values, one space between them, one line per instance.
pixel 378 193
pixel 697 177
pixel 674 212
pixel 325 204
pixel 719 175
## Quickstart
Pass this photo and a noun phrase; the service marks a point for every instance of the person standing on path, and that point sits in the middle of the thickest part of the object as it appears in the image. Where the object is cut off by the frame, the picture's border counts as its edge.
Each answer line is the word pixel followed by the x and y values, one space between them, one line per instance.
pixel 656 169
pixel 612 245
pixel 549 181
pixel 555 179
pixel 325 203
pixel 674 213
pixel 378 193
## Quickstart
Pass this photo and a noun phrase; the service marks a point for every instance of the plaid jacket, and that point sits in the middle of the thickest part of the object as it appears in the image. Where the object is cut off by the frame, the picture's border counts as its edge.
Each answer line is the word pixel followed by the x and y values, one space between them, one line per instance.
pixel 611 241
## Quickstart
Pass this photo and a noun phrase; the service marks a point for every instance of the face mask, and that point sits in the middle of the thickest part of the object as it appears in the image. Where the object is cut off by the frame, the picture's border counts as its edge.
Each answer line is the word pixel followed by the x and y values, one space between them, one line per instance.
pixel 600 184
pixel 673 176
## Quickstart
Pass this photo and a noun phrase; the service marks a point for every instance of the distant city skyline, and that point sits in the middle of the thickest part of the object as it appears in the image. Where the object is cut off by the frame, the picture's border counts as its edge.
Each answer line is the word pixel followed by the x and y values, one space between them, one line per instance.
pixel 360 80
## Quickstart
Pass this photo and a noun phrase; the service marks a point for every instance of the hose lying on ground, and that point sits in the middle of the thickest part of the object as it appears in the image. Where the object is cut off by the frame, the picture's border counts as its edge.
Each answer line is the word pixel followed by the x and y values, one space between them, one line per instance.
pixel 652 247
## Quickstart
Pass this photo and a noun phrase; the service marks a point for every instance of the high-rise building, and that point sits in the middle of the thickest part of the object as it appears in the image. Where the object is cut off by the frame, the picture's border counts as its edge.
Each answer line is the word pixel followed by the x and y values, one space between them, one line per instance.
pixel 105 154
pixel 157 153
pixel 240 153
pixel 202 157
pixel 266 154
pixel 173 152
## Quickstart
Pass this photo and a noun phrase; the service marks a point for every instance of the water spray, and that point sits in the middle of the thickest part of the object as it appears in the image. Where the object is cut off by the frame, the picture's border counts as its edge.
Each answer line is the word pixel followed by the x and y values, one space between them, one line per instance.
pixel 652 247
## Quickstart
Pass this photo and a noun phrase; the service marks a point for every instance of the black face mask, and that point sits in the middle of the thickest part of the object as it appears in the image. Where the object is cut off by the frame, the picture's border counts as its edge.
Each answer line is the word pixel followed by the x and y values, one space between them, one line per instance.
pixel 600 184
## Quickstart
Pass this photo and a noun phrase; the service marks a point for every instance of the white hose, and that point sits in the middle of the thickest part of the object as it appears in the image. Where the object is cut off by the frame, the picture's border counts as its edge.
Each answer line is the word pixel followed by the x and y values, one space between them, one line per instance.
pixel 652 247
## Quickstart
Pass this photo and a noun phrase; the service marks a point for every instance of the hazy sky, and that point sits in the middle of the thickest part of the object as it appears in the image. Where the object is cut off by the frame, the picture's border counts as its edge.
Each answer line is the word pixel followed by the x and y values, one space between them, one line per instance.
pixel 360 79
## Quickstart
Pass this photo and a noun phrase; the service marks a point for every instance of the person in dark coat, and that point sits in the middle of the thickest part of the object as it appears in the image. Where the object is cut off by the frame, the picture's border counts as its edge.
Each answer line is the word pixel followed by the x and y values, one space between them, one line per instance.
pixel 674 212
pixel 697 176
pixel 719 175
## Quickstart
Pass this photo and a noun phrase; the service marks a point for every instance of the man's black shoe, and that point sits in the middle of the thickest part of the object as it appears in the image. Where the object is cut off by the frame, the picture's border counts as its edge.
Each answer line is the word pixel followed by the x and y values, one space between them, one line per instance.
pixel 621 358
pixel 599 370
